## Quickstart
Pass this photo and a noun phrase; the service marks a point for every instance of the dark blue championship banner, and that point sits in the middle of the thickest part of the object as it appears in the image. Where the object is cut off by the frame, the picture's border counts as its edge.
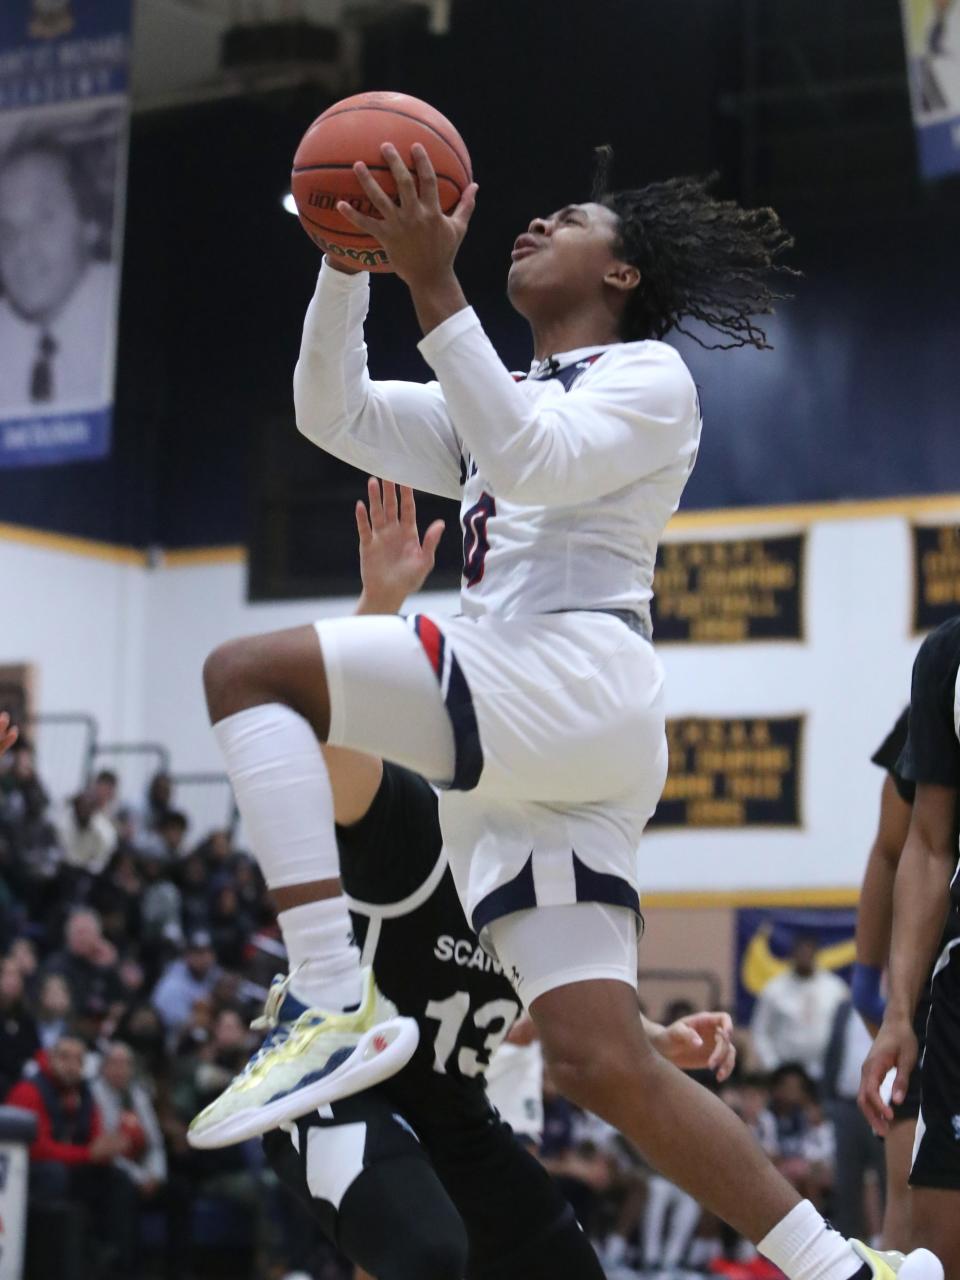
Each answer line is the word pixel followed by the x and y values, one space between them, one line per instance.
pixel 767 935
pixel 936 575
pixel 63 141
pixel 932 34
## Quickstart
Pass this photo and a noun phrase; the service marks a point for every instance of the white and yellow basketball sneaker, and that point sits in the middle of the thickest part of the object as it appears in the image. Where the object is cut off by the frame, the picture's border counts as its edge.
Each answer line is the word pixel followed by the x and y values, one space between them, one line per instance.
pixel 309 1057
pixel 921 1264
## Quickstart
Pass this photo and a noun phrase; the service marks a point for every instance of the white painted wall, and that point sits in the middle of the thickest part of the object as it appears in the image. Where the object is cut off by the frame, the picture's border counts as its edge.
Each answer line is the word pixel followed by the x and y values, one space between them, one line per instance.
pixel 78 620
pixel 128 644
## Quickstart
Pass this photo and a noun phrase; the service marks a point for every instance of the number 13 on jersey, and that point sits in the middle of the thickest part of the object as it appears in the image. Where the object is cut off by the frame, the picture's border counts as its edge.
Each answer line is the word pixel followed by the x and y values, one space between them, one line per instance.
pixel 452 1014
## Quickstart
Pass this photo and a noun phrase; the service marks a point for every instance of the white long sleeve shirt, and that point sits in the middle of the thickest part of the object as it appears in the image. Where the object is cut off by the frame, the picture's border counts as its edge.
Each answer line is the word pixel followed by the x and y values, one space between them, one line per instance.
pixel 793 1018
pixel 564 493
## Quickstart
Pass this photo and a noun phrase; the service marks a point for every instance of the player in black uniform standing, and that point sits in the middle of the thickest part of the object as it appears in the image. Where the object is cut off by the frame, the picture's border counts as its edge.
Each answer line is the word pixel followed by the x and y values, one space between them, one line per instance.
pixel 418 1179
pixel 874 922
pixel 925 897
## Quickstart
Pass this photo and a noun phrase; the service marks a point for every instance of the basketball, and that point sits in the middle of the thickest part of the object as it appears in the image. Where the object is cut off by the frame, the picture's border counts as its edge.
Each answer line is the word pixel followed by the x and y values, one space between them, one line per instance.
pixel 354 129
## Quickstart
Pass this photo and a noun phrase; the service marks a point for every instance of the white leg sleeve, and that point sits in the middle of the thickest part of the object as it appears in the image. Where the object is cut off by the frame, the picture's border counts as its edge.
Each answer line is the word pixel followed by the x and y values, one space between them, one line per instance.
pixel 550 947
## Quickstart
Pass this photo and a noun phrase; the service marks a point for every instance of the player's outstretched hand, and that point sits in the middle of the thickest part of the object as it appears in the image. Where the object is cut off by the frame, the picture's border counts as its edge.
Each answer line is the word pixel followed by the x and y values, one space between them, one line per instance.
pixel 421 240
pixel 895 1047
pixel 8 732
pixel 701 1041
pixel 394 563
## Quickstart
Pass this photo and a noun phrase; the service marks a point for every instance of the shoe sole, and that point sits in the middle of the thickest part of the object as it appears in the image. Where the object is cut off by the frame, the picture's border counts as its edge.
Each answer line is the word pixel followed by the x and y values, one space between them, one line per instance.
pixel 921 1264
pixel 371 1062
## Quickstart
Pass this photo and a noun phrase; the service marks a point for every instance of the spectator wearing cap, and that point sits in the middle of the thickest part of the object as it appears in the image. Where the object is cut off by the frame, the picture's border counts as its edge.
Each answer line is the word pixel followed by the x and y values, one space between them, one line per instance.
pixel 71 1157
pixel 185 980
pixel 793 1017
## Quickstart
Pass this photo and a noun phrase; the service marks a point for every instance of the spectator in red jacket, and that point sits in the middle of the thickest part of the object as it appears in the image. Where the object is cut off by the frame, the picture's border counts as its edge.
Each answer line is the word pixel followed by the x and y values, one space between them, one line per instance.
pixel 71 1156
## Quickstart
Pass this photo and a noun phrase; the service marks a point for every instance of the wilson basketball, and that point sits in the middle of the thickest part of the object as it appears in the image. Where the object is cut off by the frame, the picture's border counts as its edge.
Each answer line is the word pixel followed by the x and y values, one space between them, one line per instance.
pixel 353 130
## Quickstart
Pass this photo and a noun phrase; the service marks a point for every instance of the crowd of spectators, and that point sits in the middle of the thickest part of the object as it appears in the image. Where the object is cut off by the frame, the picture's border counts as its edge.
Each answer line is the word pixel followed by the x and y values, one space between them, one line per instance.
pixel 132 961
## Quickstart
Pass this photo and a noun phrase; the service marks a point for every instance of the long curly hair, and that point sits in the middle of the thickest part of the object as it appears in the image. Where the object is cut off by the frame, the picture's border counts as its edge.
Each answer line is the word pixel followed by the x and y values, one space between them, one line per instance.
pixel 699 258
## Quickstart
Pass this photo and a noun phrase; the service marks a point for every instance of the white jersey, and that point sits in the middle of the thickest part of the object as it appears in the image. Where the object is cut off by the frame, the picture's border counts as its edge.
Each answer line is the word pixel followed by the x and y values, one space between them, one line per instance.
pixel 565 482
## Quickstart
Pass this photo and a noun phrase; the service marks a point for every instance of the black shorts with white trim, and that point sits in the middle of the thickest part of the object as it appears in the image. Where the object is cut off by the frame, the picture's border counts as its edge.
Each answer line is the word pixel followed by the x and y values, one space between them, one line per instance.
pixel 936 1161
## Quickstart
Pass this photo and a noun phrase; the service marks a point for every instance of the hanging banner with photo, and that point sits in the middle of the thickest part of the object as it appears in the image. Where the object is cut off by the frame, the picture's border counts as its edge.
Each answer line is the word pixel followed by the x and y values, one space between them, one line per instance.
pixel 64 75
pixel 766 936
pixel 932 34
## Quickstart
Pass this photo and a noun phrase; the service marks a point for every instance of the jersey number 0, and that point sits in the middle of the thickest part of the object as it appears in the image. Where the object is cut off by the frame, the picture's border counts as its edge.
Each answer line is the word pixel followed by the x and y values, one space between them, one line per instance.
pixel 475 544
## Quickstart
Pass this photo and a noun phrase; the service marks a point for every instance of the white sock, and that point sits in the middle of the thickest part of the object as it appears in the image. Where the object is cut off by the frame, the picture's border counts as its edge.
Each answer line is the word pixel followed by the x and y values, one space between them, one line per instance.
pixel 319 936
pixel 283 793
pixel 805 1247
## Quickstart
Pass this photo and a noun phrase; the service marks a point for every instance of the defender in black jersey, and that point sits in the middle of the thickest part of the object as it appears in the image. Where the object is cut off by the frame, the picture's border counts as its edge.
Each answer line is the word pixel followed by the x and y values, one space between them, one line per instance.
pixel 419 1178
pixel 411 928
pixel 874 920
pixel 925 898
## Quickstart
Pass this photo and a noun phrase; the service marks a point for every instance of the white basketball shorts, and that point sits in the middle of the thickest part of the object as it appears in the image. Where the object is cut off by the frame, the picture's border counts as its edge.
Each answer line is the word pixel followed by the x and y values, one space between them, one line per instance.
pixel 551 747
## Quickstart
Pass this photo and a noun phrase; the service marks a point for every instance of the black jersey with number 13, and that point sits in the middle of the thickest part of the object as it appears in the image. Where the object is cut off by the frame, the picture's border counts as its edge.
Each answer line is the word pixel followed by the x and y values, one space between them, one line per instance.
pixel 410 926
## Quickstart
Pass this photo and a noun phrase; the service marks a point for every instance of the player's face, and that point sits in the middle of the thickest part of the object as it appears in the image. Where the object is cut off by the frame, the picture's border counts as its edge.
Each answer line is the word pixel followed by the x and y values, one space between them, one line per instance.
pixel 567 255
pixel 44 241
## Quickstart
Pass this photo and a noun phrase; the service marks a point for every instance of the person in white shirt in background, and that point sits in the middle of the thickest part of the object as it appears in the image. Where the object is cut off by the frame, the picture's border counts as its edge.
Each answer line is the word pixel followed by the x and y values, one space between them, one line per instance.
pixel 794 1013
pixel 56 299
pixel 515 1082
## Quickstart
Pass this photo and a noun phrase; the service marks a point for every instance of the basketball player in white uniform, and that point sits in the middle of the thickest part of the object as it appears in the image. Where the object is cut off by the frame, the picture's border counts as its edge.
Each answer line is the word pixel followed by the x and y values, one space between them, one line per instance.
pixel 540 709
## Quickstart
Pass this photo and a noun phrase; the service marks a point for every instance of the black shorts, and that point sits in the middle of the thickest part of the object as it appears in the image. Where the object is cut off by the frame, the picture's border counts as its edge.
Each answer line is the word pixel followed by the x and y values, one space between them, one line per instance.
pixel 936 1161
pixel 909 1108
pixel 365 1170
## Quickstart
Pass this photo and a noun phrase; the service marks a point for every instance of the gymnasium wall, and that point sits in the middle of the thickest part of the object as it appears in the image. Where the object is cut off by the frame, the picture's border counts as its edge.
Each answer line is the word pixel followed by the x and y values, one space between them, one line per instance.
pixel 73 611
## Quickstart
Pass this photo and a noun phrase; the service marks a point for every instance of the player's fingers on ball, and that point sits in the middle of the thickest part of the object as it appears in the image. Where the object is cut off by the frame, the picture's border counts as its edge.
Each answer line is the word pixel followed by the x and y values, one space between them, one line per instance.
pixel 406 187
pixel 468 202
pixel 372 226
pixel 426 176
pixel 373 190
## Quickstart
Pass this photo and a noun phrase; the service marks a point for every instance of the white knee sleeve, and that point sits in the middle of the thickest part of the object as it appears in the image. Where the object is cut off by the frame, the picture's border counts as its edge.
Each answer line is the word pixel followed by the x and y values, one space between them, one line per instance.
pixel 550 947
